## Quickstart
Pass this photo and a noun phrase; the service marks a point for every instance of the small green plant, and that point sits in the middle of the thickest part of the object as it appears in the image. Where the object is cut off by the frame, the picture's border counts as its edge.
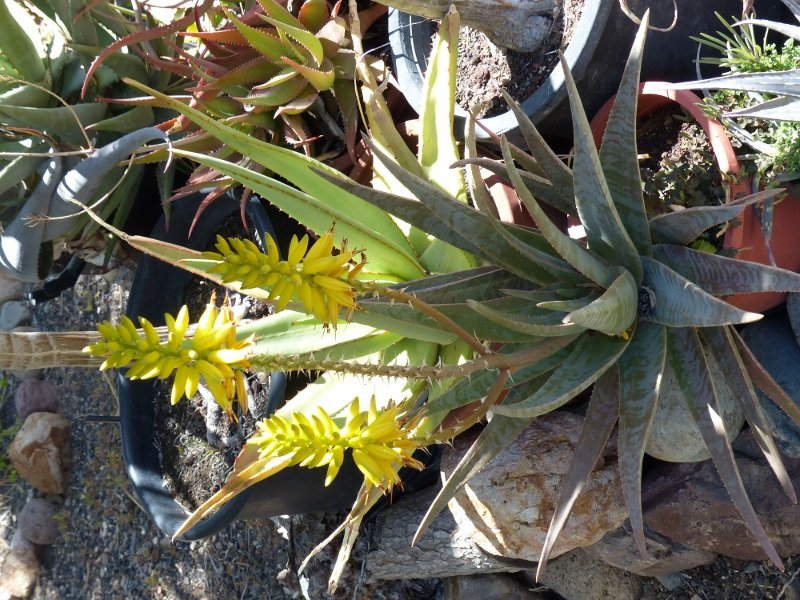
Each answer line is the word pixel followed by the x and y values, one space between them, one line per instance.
pixel 776 142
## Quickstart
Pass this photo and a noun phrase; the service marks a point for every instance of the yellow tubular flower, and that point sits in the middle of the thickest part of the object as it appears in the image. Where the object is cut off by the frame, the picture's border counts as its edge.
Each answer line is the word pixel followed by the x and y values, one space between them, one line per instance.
pixel 213 353
pixel 315 276
pixel 379 443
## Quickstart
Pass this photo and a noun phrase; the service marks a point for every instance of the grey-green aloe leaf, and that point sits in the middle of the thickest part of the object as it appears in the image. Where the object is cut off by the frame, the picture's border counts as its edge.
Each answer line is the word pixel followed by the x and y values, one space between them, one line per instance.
pixel 620 162
pixel 553 352
pixel 592 356
pixel 523 322
pixel 581 259
pixel 684 226
pixel 688 362
pixel 605 231
pixel 722 276
pixel 721 346
pixel 497 434
pixel 641 367
pixel 681 303
pixel 601 416
pixel 778 83
pixel 614 311
pixel 779 109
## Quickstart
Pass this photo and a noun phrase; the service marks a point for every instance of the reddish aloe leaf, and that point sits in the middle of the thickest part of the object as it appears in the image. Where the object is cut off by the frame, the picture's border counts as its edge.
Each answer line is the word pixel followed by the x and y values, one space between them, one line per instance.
pixel 640 369
pixel 721 276
pixel 142 36
pixel 764 381
pixel 688 361
pixel 601 416
pixel 719 342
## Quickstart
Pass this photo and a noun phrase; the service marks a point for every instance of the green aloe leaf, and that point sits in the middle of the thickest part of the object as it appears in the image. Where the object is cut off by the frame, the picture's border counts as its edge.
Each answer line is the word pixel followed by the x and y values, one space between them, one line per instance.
pixel 640 369
pixel 721 276
pixel 779 109
pixel 438 148
pixel 719 343
pixel 601 416
pixel 605 232
pixel 553 352
pixel 65 123
pixel 462 314
pixel 618 155
pixel 18 48
pixel 688 362
pixel 412 212
pixel 479 283
pixel 681 303
pixel 384 256
pixel 558 303
pixel 498 433
pixel 592 356
pixel 131 120
pixel 778 83
pixel 303 36
pixel 267 44
pixel 684 226
pixel 300 171
pixel 614 311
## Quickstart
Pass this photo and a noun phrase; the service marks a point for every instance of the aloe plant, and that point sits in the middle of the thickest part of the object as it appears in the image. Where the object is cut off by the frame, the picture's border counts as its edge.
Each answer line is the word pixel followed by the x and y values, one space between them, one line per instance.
pixel 546 317
pixel 47 125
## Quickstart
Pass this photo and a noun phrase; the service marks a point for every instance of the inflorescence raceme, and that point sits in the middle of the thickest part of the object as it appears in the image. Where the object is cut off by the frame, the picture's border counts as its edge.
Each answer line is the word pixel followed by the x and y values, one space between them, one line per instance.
pixel 212 352
pixel 380 444
pixel 317 277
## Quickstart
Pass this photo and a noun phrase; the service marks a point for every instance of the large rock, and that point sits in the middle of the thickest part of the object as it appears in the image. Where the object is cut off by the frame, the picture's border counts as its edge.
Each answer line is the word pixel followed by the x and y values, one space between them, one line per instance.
pixel 14 313
pixel 36 522
pixel 617 548
pixel 35 395
pixel 674 436
pixel 19 569
pixel 688 504
pixel 40 452
pixel 508 506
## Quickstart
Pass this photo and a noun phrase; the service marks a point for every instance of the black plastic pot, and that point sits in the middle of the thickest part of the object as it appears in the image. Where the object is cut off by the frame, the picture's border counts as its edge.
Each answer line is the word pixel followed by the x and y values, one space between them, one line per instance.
pixel 596 56
pixel 158 288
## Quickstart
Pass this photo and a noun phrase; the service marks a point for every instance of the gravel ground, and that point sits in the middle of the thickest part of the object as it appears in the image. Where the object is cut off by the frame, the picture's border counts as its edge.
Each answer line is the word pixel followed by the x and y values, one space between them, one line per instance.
pixel 108 549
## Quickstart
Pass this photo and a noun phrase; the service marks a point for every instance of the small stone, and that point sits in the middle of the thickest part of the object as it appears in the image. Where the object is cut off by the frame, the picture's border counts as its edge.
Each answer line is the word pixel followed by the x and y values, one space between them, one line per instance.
pixel 19 570
pixel 10 288
pixel 36 522
pixel 40 452
pixel 35 395
pixel 13 314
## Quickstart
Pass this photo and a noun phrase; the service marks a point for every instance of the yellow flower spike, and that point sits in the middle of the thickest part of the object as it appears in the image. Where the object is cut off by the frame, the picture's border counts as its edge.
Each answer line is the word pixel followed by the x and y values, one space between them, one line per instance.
pixel 316 440
pixel 317 277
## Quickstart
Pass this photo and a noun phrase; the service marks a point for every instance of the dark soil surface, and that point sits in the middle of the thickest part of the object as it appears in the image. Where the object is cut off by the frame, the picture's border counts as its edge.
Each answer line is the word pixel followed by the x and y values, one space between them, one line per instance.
pixel 484 69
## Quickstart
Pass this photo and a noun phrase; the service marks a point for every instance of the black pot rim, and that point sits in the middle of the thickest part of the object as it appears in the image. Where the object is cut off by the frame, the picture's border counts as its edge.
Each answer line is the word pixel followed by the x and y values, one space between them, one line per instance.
pixel 410 39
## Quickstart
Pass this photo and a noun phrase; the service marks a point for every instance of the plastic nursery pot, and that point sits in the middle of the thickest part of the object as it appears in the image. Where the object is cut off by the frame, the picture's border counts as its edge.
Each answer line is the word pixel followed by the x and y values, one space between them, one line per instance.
pixel 745 239
pixel 595 54
pixel 158 288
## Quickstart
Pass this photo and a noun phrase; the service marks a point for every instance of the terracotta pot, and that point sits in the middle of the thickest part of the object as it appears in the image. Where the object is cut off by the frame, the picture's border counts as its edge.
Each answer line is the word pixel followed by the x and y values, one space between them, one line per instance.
pixel 746 238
